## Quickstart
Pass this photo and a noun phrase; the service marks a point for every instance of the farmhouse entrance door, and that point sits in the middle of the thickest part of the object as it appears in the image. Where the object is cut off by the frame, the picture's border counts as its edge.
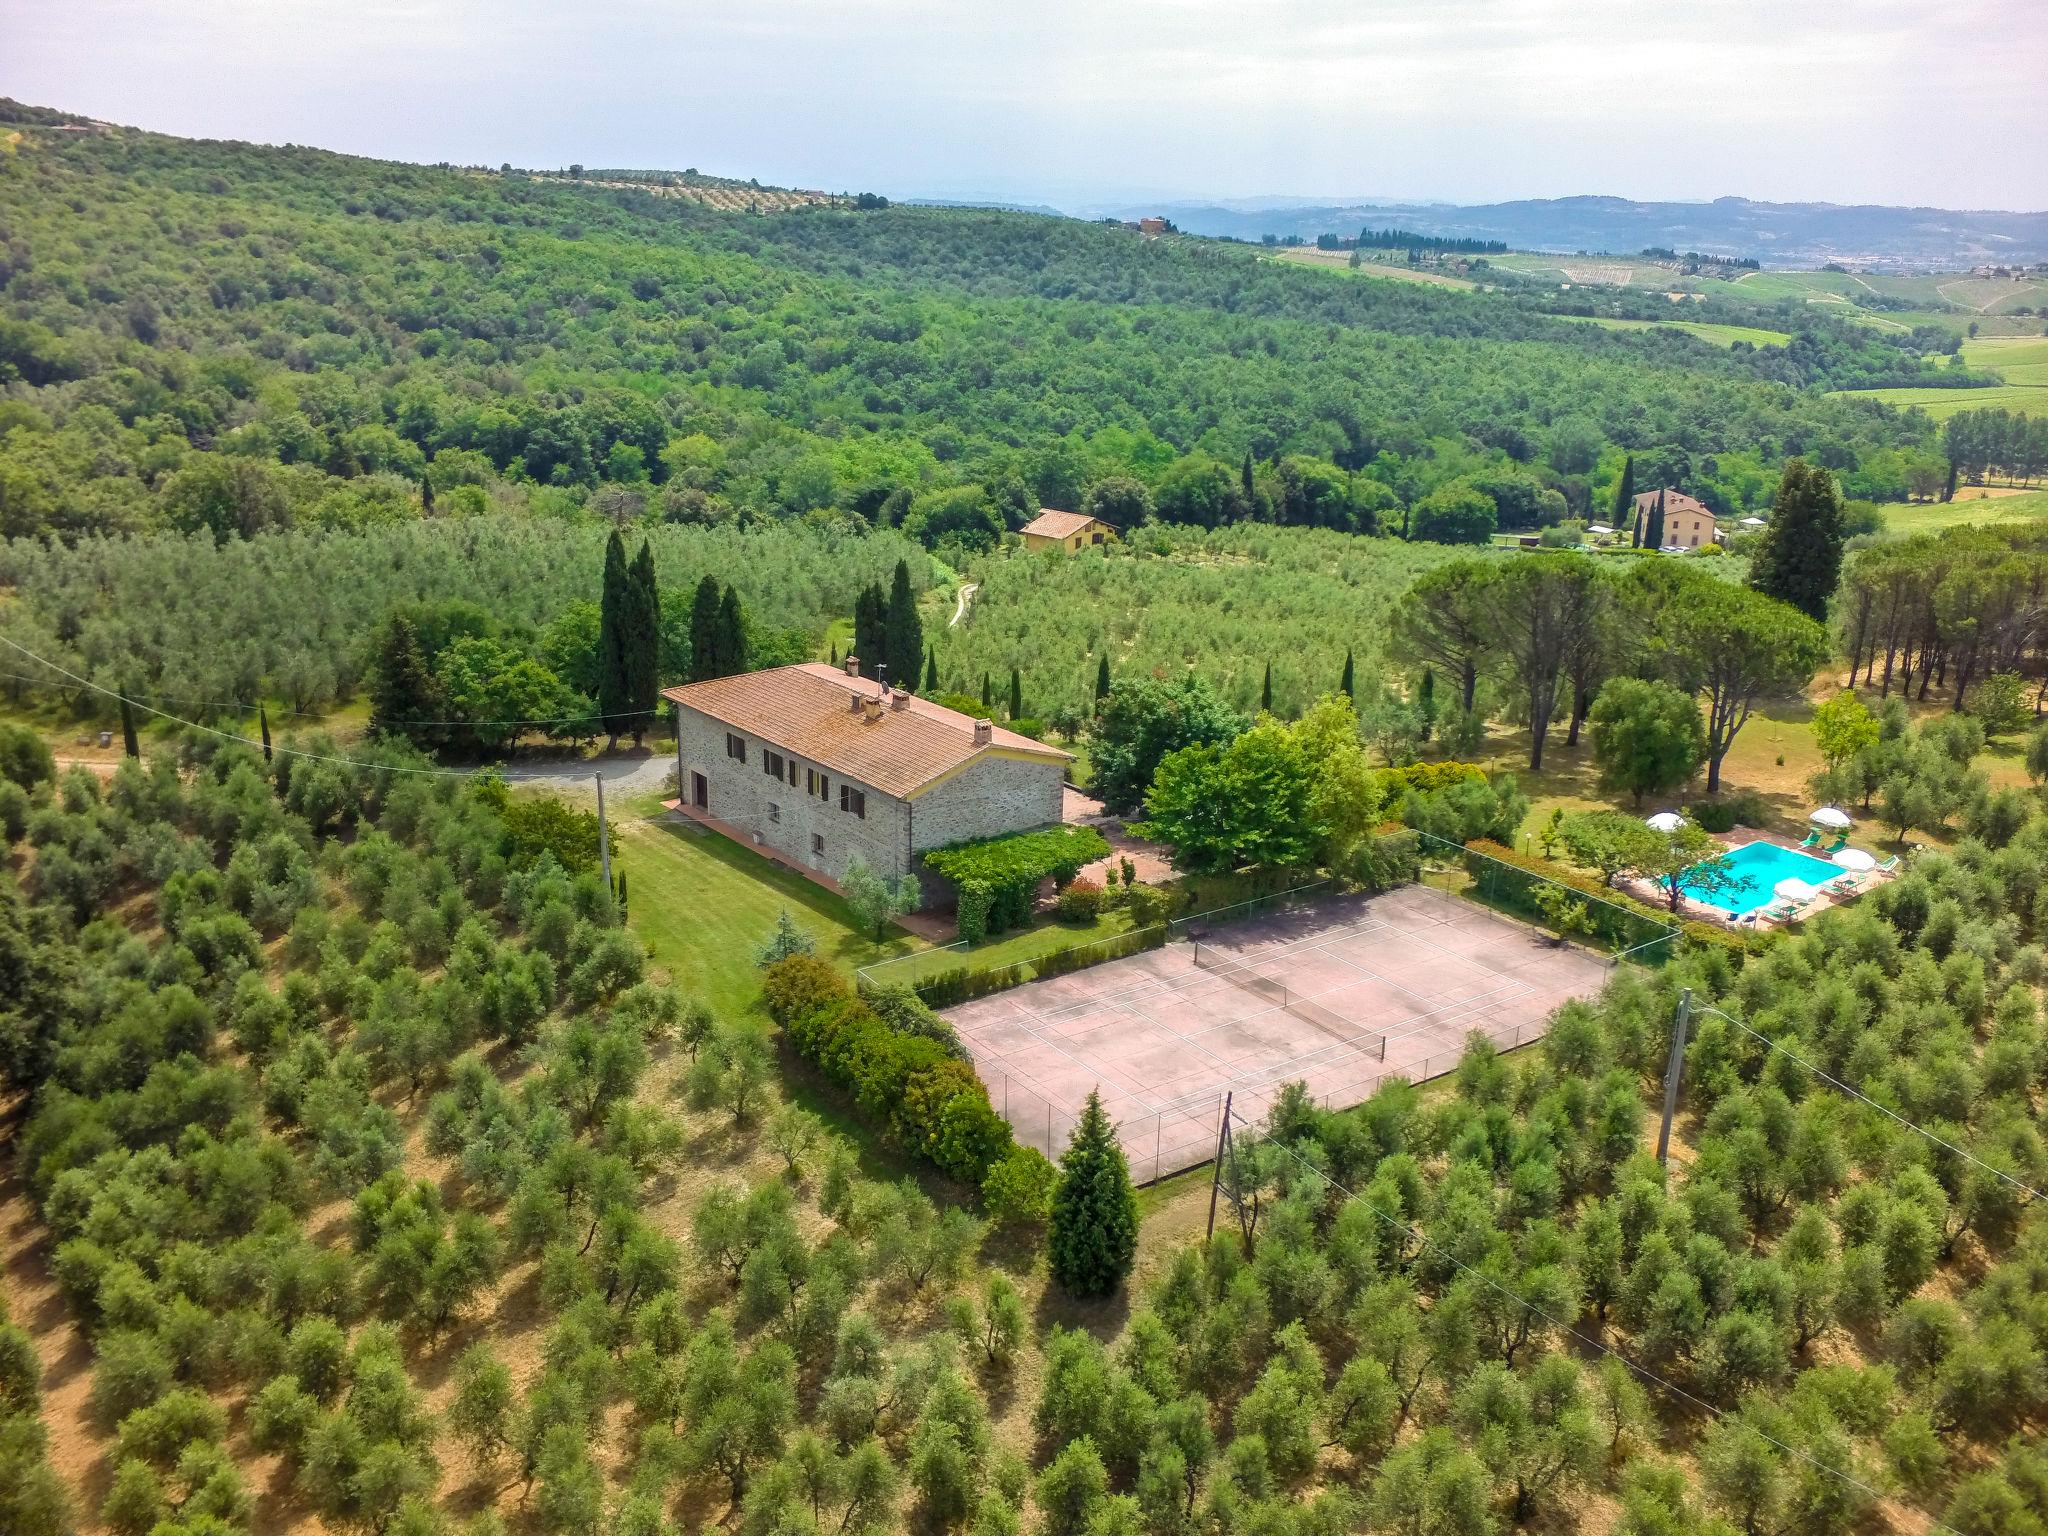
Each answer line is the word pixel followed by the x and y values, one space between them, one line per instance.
pixel 700 792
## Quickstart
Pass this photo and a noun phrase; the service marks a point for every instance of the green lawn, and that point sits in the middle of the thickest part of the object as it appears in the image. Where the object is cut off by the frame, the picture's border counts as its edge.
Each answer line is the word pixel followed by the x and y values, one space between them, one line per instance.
pixel 1009 949
pixel 703 905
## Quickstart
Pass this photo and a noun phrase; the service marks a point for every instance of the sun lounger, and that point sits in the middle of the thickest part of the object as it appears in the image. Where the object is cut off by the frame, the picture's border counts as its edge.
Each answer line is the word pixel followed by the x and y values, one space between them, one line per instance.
pixel 1888 865
pixel 1812 839
pixel 1837 845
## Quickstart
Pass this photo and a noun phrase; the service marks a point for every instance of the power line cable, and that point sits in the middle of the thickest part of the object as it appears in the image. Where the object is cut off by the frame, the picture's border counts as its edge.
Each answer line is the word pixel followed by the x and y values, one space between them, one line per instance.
pixel 1918 1130
pixel 1423 1240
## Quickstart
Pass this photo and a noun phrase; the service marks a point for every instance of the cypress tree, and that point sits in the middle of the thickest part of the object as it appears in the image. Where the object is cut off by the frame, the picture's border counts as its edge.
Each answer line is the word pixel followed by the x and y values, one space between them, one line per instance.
pixel 1248 488
pixel 1654 539
pixel 870 630
pixel 704 630
pixel 643 642
pixel 614 644
pixel 730 645
pixel 1016 695
pixel 622 892
pixel 402 688
pixel 988 698
pixel 128 742
pixel 931 671
pixel 1102 677
pixel 1801 556
pixel 1093 1234
pixel 1349 675
pixel 426 496
pixel 1425 701
pixel 835 653
pixel 1266 690
pixel 903 639
pixel 263 726
pixel 1625 501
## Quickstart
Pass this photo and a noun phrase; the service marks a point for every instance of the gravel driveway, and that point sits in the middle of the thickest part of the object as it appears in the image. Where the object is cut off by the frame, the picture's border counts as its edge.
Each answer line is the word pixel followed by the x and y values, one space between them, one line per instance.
pixel 625 773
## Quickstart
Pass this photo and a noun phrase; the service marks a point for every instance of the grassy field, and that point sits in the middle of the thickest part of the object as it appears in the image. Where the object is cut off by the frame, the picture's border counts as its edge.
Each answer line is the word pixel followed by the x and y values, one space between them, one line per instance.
pixel 1719 335
pixel 2019 360
pixel 1906 517
pixel 704 905
pixel 2029 400
pixel 1340 261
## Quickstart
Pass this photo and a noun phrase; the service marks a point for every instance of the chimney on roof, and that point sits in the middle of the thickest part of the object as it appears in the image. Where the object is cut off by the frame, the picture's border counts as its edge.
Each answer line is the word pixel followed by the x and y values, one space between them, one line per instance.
pixel 984 733
pixel 852 665
pixel 899 698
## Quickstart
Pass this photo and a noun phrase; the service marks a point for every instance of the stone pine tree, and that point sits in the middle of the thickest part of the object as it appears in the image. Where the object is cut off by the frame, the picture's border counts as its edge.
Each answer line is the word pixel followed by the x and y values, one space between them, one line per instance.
pixel 730 637
pixel 1093 1233
pixel 1102 677
pixel 704 629
pixel 1625 501
pixel 1801 557
pixel 903 636
pixel 643 642
pixel 402 690
pixel 1266 690
pixel 615 619
pixel 1654 539
pixel 1350 675
pixel 1016 695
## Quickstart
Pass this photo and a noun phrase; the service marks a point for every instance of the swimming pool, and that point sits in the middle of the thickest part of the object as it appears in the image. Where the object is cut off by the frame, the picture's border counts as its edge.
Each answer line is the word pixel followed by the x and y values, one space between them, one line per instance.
pixel 1757 869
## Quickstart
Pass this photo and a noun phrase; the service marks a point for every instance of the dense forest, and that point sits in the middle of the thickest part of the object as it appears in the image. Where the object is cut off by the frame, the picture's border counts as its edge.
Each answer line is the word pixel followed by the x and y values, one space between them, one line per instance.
pixel 220 337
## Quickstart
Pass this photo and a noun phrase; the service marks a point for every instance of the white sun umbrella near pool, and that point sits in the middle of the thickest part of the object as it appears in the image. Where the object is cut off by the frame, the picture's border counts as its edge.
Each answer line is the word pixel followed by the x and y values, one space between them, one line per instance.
pixel 1855 859
pixel 1665 821
pixel 1794 890
pixel 1830 816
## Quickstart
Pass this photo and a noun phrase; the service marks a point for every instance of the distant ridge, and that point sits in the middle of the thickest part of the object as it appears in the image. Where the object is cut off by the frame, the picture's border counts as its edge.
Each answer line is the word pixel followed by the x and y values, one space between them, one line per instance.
pixel 1044 209
pixel 1776 234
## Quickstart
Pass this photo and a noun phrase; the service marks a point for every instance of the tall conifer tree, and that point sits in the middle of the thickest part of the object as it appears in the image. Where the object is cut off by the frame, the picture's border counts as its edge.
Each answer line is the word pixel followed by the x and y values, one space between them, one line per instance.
pixel 1102 677
pixel 704 630
pixel 1654 539
pixel 614 680
pixel 1350 675
pixel 1016 695
pixel 1266 690
pixel 903 638
pixel 931 671
pixel 1093 1235
pixel 402 688
pixel 730 645
pixel 1625 501
pixel 643 642
pixel 1801 558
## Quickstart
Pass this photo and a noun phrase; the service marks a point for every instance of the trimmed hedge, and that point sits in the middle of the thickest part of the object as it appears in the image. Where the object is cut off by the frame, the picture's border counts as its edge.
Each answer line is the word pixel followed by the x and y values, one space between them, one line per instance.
pixel 1511 879
pixel 912 1085
pixel 1428 778
pixel 963 982
pixel 996 877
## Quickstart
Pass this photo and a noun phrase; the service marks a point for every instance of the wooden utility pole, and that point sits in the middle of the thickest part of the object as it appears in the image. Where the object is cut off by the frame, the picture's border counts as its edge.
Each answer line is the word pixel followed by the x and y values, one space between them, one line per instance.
pixel 1674 1069
pixel 1216 1178
pixel 604 841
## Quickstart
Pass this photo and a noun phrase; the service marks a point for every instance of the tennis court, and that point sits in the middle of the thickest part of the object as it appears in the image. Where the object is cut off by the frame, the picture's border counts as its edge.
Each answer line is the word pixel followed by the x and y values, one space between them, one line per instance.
pixel 1336 995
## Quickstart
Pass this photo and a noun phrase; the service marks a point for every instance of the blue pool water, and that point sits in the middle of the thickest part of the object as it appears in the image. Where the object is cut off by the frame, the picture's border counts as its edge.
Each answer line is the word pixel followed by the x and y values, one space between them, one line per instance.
pixel 1758 867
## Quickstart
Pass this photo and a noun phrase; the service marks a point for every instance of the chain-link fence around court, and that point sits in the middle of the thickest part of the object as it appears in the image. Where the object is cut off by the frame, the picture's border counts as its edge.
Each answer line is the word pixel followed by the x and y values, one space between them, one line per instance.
pixel 1162 1142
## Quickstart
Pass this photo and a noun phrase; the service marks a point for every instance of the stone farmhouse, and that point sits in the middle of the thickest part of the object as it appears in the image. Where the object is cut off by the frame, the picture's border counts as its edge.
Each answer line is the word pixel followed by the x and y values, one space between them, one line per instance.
pixel 814 765
pixel 1065 530
pixel 1688 524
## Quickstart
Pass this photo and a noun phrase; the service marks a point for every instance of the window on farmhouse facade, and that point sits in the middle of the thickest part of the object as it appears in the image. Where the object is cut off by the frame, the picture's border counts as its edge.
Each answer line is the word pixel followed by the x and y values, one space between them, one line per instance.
pixel 771 763
pixel 818 844
pixel 853 801
pixel 735 747
pixel 774 811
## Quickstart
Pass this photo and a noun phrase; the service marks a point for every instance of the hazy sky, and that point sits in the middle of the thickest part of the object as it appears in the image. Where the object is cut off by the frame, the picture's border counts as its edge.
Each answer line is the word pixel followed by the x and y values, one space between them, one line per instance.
pixel 1897 101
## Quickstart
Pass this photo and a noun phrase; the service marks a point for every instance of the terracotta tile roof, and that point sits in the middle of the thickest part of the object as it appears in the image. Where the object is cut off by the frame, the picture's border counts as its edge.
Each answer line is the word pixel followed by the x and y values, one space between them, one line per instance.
pixel 1058 525
pixel 1674 501
pixel 806 710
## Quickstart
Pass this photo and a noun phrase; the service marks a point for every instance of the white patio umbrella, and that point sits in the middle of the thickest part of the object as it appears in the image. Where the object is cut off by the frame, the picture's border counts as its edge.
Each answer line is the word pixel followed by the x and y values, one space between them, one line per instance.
pixel 1794 890
pixel 1665 821
pixel 1830 816
pixel 1855 858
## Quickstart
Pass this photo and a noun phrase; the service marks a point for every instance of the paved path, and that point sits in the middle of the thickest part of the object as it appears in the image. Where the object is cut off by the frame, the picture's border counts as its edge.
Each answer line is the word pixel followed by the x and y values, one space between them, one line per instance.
pixel 625 773
pixel 967 591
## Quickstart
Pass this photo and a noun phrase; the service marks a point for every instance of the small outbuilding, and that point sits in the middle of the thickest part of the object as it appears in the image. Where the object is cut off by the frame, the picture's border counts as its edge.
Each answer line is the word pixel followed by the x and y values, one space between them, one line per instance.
pixel 1065 530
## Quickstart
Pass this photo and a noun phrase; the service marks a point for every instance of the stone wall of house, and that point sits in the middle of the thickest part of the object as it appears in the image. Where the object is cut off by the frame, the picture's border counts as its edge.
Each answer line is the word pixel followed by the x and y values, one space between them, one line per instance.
pixel 797 824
